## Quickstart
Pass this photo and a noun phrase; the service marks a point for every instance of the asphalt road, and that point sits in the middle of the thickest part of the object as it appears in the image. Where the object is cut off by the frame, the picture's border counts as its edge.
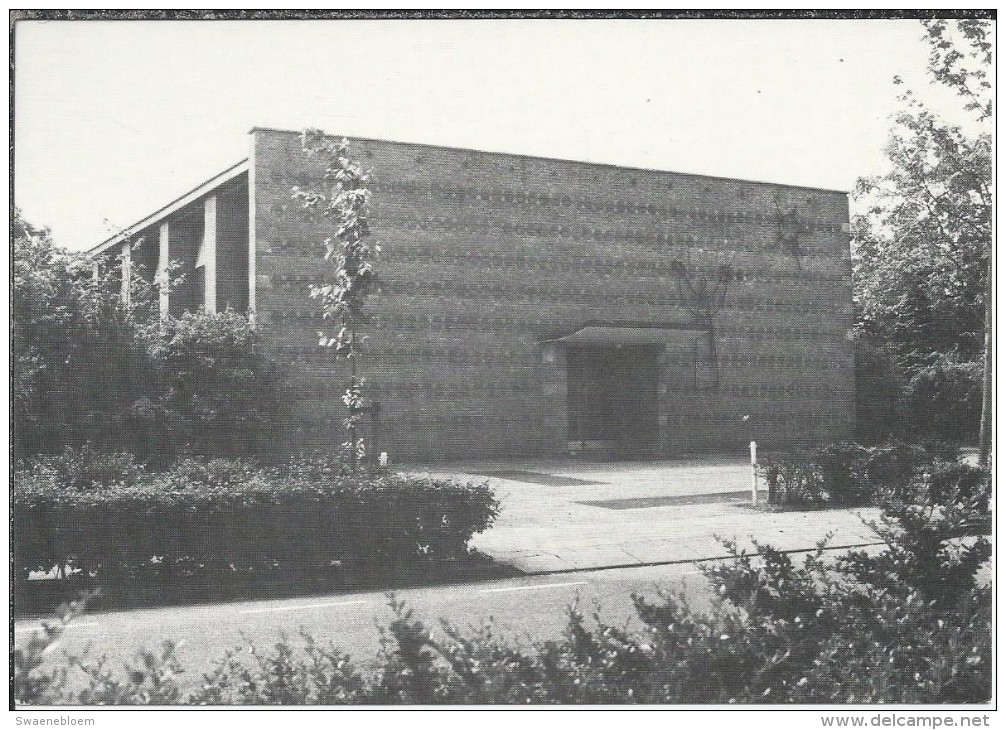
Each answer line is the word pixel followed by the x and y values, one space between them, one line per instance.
pixel 525 610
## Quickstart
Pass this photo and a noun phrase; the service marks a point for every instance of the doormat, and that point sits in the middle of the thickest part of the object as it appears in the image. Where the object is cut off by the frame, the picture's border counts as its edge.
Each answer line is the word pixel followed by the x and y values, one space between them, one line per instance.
pixel 534 477
pixel 644 502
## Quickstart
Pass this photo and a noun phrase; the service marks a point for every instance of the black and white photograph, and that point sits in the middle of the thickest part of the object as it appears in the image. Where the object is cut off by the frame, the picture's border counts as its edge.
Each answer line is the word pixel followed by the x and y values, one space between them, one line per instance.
pixel 502 360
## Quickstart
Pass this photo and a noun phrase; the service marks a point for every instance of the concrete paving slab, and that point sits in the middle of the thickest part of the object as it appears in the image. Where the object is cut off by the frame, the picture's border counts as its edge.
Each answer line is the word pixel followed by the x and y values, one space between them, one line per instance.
pixel 546 527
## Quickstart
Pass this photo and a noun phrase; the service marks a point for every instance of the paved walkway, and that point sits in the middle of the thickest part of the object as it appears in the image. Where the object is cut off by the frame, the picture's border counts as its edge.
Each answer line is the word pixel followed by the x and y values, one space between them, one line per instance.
pixel 563 515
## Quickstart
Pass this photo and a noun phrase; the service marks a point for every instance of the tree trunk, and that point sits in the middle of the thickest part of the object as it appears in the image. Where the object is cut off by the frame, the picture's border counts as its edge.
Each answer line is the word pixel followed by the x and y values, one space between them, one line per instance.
pixel 985 434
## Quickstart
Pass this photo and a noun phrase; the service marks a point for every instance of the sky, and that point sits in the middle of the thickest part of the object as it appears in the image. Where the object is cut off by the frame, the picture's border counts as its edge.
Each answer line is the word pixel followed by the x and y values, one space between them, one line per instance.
pixel 115 119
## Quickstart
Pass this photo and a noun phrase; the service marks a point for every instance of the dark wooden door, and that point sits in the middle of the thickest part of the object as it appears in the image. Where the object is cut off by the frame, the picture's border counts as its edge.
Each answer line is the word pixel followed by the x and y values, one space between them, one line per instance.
pixel 612 396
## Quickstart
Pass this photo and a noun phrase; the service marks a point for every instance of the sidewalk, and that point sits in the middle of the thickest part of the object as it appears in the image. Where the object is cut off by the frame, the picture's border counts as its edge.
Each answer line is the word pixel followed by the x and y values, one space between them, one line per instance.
pixel 592 515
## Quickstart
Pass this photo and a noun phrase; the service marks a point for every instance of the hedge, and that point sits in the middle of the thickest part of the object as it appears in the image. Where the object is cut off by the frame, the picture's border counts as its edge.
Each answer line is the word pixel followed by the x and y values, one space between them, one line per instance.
pixel 909 624
pixel 229 517
pixel 848 474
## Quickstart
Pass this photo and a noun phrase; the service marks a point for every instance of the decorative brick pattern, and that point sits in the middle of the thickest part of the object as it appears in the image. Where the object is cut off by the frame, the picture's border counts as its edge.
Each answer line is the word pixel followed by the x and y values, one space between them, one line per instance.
pixel 485 257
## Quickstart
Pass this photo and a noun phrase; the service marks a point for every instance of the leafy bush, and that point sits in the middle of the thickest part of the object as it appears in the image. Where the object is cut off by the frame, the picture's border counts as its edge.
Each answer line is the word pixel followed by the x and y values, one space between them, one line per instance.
pixel 848 474
pixel 90 368
pixel 962 484
pixel 908 625
pixel 792 479
pixel 225 518
pixel 840 475
pixel 85 468
pixel 150 679
pixel 892 466
pixel 216 394
pixel 313 466
pixel 77 362
pixel 904 626
pixel 943 398
pixel 778 632
pixel 929 529
pixel 215 472
pixel 938 396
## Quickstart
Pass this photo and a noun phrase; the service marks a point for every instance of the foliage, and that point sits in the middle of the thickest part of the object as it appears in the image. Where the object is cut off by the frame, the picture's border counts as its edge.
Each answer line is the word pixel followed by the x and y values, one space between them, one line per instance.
pixel 792 479
pixel 33 681
pixel 217 392
pixel 150 679
pixel 929 528
pixel 921 265
pixel 77 364
pixel 316 675
pixel 960 57
pixel 223 519
pixel 841 480
pixel 779 631
pixel 352 275
pixel 848 474
pixel 908 624
pixel 893 466
pixel 922 249
pixel 942 397
pixel 85 468
pixel 94 369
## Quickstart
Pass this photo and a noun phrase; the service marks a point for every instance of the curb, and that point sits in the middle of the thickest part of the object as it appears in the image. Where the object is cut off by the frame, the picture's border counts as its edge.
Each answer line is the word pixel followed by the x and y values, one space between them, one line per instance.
pixel 683 561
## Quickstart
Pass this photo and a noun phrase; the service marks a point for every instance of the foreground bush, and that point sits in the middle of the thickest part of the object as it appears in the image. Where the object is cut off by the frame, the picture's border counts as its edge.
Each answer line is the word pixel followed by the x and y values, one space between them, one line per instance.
pixel 908 625
pixel 227 518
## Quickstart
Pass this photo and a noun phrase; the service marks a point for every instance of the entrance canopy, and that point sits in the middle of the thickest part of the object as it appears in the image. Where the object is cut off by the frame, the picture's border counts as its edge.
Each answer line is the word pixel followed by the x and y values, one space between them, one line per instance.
pixel 613 335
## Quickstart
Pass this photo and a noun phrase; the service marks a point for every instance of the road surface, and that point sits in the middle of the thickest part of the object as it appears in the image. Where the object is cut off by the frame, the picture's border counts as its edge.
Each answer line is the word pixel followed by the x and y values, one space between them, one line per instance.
pixel 525 609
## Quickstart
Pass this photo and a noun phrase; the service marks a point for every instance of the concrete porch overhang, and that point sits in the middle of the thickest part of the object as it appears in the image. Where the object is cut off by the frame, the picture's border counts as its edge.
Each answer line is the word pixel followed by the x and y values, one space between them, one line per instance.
pixel 623 334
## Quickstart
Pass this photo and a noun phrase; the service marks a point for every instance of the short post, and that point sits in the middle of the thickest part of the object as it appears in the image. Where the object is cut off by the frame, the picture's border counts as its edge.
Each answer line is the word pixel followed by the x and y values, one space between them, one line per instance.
pixel 375 428
pixel 754 473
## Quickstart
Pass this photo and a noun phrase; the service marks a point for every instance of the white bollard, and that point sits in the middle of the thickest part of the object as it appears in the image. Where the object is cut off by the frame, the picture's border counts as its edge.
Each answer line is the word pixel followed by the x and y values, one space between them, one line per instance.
pixel 754 473
pixel 383 458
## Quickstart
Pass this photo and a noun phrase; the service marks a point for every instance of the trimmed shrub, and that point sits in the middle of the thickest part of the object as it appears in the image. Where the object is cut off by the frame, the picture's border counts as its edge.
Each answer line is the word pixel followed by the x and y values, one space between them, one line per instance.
pixel 841 478
pixel 85 468
pixel 219 472
pixel 910 625
pixel 891 466
pixel 792 479
pixel 848 474
pixel 227 518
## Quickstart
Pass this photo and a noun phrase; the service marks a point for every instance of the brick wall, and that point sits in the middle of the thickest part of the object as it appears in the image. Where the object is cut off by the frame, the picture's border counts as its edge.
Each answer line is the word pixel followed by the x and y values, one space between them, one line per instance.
pixel 485 256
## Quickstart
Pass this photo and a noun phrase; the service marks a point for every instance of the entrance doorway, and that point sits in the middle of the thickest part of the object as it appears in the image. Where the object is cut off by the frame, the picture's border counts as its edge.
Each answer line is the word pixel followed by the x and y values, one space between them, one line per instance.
pixel 612 399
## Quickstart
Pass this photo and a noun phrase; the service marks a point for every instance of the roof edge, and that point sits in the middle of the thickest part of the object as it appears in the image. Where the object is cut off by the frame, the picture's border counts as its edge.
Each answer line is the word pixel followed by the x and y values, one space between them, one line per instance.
pixel 428 145
pixel 181 201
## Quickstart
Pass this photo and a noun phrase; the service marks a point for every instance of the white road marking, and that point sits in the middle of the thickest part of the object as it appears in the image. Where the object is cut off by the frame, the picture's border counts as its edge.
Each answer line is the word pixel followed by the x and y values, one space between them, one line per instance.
pixel 91 625
pixel 534 587
pixel 307 607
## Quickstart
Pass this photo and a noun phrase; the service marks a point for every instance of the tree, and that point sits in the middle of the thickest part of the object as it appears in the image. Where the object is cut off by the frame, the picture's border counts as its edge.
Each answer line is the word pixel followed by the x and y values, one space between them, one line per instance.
pixel 966 72
pixel 352 276
pixel 93 368
pixel 923 248
pixel 77 363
